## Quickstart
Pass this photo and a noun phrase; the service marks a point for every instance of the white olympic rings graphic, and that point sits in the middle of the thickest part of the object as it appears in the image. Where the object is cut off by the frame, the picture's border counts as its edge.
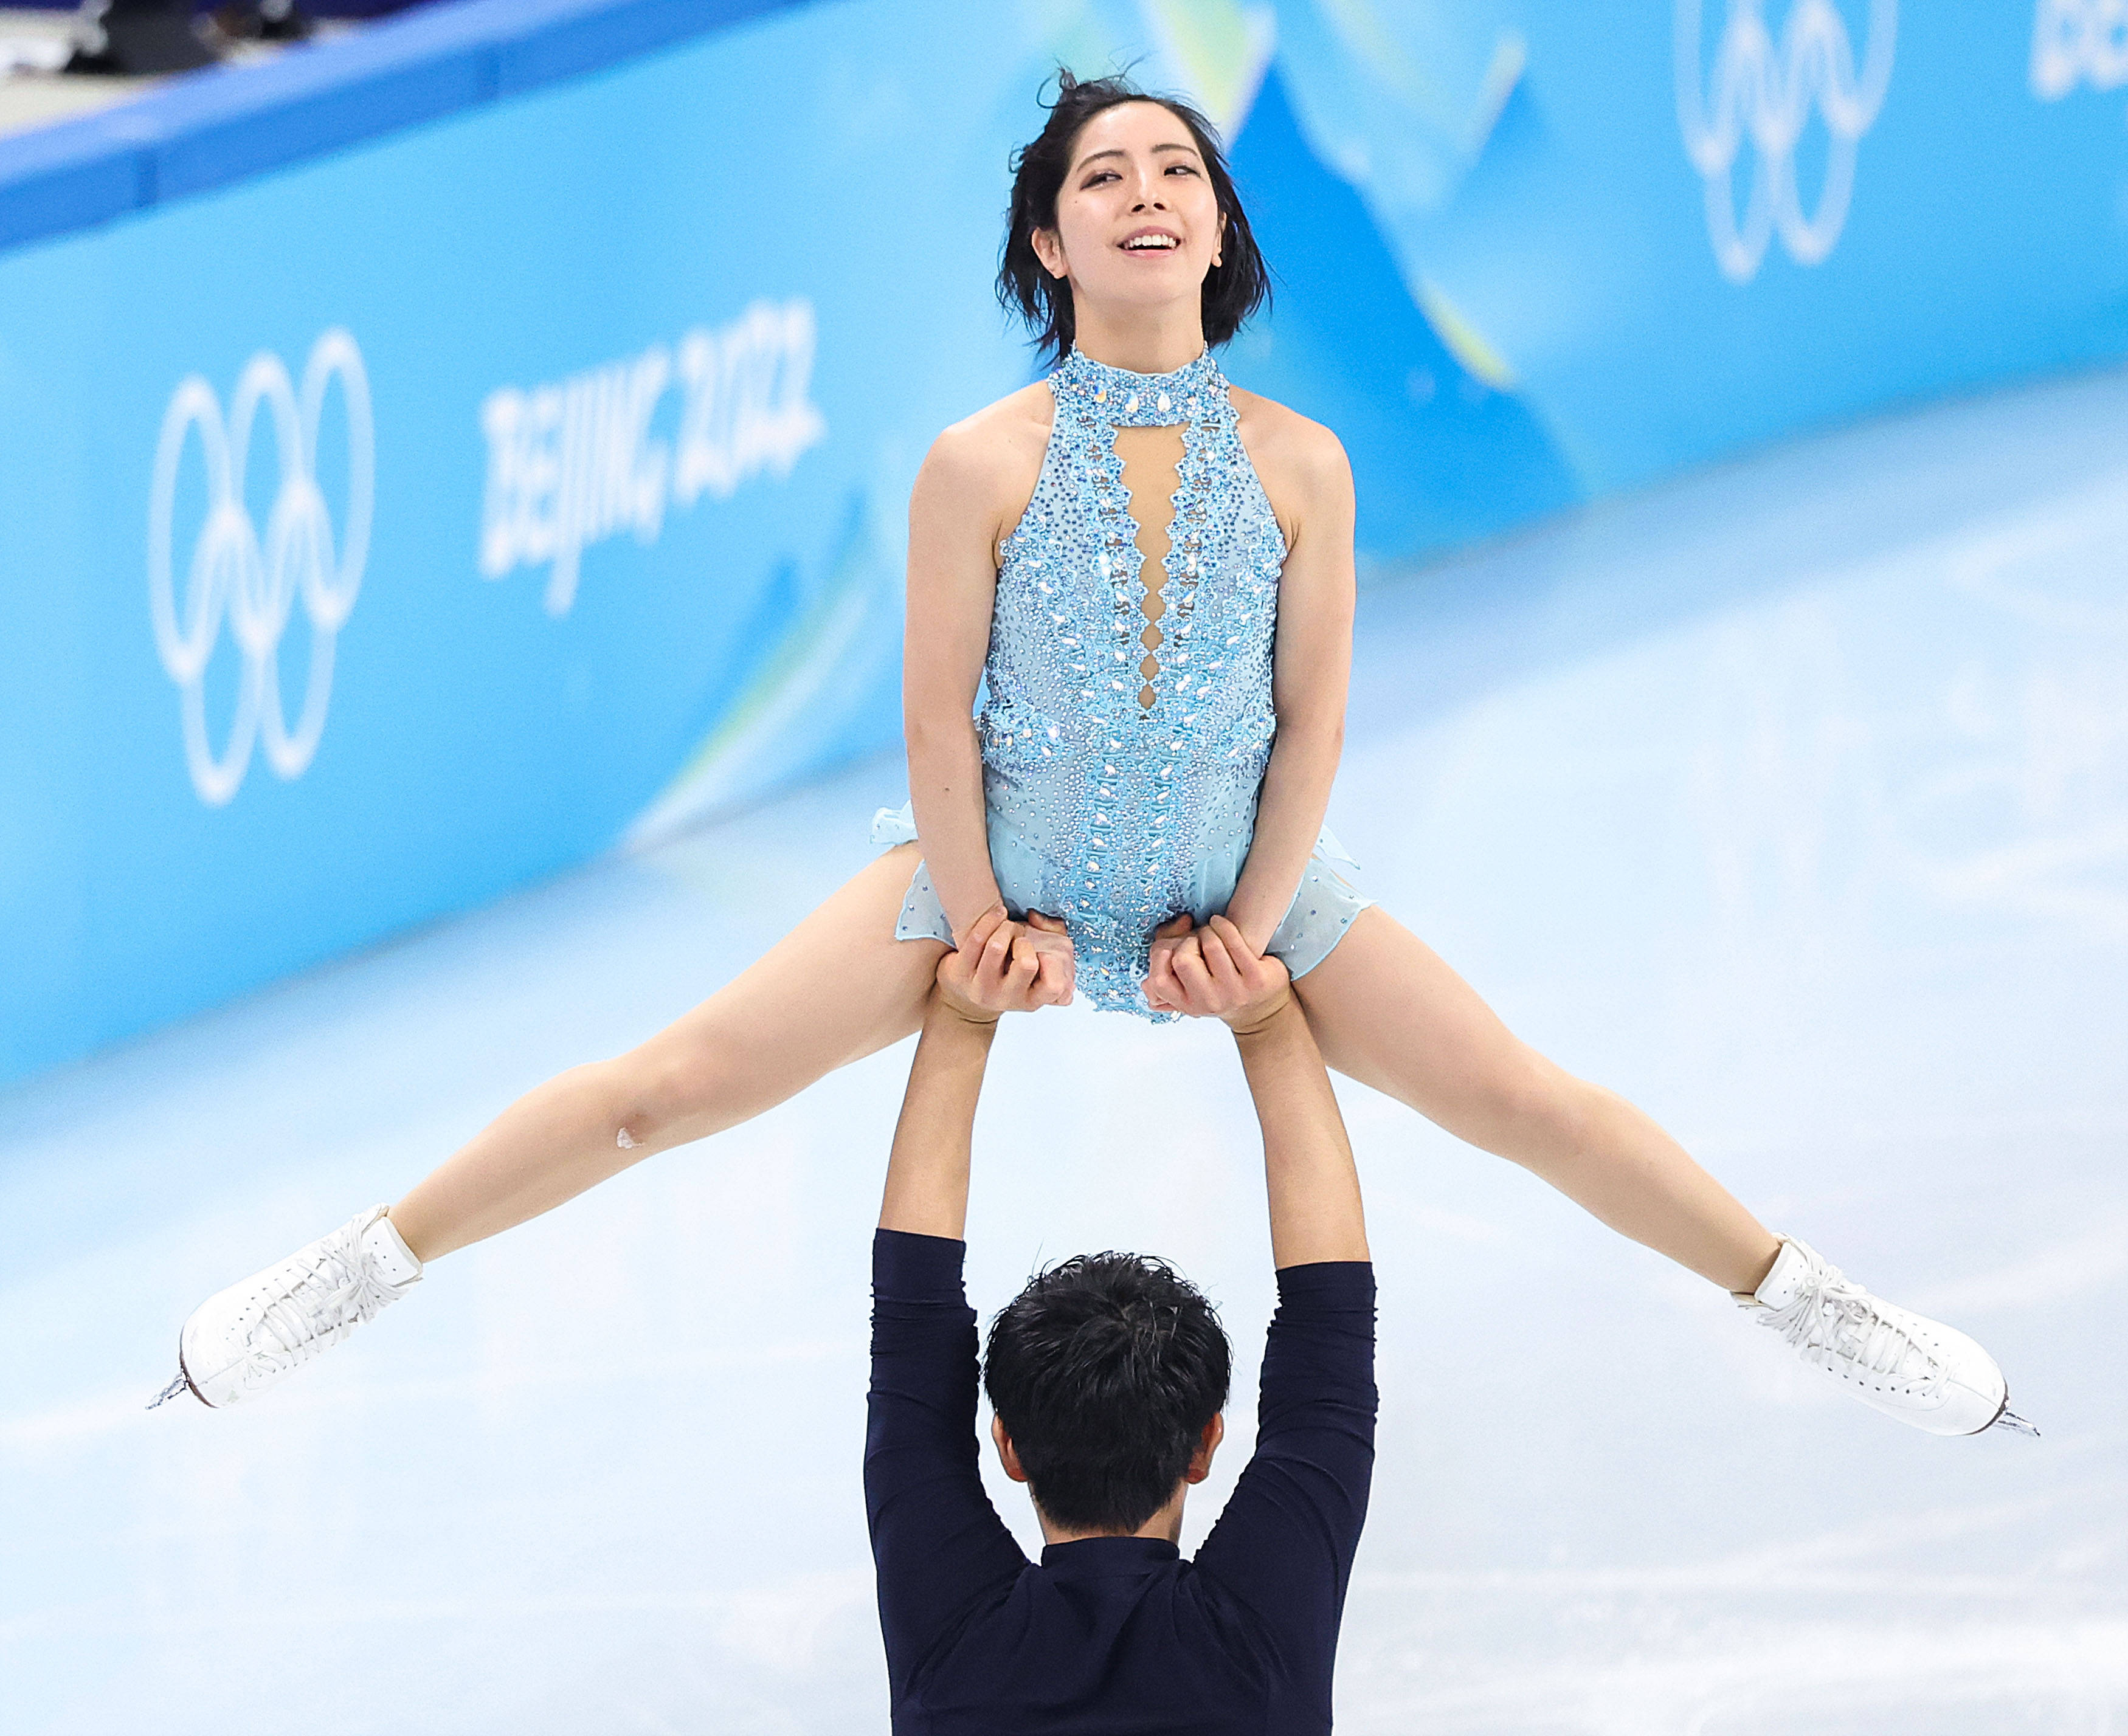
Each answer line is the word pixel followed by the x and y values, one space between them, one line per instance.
pixel 1767 91
pixel 256 583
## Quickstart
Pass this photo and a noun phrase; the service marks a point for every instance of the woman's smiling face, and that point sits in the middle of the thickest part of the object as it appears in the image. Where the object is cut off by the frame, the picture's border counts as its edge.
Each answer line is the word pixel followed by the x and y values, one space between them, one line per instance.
pixel 1138 222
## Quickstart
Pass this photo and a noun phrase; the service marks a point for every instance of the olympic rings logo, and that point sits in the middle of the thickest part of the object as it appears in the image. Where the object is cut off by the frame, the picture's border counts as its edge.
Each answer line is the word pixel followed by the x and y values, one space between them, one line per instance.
pixel 2077 40
pixel 255 583
pixel 1768 92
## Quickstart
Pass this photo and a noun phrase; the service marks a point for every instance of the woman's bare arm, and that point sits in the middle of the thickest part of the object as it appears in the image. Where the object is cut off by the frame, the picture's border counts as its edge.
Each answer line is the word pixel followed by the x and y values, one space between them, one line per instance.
pixel 1312 671
pixel 976 480
pixel 953 529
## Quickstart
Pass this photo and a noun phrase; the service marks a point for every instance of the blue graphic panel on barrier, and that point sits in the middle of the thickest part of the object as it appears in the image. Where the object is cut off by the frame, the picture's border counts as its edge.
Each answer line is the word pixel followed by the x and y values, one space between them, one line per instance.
pixel 633 457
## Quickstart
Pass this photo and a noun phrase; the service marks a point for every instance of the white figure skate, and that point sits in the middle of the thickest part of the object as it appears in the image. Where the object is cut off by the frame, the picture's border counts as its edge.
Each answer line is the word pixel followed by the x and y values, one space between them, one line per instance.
pixel 1891 1359
pixel 239 1342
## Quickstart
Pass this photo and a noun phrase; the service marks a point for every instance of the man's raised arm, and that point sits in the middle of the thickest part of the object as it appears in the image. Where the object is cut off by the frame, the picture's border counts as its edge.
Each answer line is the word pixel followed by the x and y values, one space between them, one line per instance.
pixel 936 1539
pixel 927 1176
pixel 1315 1210
pixel 1285 1544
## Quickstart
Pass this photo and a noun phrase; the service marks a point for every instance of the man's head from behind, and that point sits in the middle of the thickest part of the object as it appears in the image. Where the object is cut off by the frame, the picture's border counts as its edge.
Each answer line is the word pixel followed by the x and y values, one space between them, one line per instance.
pixel 1108 1373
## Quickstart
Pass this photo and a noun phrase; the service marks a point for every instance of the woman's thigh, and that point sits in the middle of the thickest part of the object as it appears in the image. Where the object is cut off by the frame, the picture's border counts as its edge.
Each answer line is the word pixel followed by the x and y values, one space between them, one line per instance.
pixel 838 987
pixel 1386 1011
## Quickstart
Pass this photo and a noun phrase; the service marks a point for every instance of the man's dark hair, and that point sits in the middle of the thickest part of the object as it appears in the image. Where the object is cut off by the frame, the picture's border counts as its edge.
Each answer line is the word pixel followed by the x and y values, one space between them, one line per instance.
pixel 1233 289
pixel 1104 1371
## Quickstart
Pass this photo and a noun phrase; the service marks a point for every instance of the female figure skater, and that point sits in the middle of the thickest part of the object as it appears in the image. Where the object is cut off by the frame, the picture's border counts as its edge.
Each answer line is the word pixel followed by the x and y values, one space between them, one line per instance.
pixel 1166 696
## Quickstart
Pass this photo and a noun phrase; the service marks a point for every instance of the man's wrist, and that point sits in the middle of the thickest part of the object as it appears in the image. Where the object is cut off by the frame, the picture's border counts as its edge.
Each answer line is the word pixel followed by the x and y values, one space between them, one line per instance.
pixel 1253 1020
pixel 948 1010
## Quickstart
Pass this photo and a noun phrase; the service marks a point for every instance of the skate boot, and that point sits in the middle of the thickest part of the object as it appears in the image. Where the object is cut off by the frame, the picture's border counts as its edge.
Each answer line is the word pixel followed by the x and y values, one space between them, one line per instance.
pixel 1892 1360
pixel 238 1343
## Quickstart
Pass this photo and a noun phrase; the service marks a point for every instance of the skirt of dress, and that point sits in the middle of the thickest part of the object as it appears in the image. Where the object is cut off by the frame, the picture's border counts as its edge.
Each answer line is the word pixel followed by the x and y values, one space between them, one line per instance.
pixel 1321 912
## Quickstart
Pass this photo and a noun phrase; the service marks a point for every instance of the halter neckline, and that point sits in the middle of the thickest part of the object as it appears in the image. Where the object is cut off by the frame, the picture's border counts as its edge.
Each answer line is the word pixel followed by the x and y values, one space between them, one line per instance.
pixel 1128 399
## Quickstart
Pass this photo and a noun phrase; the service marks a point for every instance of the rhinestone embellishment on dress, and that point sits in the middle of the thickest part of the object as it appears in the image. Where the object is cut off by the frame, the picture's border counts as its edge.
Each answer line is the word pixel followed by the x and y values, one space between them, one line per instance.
pixel 1116 794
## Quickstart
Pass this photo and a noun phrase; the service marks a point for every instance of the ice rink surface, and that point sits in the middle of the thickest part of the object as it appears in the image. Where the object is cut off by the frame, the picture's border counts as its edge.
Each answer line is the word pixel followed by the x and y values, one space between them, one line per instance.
pixel 1790 800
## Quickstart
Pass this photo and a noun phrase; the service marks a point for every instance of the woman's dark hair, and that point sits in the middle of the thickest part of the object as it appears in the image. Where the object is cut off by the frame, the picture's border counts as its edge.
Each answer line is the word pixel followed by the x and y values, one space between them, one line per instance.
pixel 1233 289
pixel 1104 1371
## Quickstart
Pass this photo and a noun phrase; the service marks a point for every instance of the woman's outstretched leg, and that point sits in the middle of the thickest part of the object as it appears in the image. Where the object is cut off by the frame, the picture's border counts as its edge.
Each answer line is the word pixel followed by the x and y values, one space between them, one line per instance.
pixel 838 987
pixel 1389 1012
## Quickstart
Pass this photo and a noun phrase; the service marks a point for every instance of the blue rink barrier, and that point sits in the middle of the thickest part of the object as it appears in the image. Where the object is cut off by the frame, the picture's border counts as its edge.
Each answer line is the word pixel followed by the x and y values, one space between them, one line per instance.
pixel 218 126
pixel 440 455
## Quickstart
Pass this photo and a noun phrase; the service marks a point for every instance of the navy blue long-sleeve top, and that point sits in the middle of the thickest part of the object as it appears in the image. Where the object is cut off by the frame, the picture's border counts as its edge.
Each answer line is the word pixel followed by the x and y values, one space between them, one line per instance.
pixel 1113 1634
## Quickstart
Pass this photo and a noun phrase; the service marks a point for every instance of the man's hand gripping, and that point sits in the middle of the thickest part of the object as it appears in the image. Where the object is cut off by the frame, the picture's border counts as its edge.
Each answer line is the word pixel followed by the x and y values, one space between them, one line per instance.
pixel 1003 966
pixel 1211 972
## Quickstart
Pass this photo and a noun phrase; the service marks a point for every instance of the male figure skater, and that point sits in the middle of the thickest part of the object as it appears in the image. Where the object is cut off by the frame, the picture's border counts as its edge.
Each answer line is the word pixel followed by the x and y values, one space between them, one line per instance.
pixel 1107 1375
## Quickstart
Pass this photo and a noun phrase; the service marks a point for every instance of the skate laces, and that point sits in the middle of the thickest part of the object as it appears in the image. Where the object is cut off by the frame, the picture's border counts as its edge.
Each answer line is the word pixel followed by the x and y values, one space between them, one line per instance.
pixel 1836 1318
pixel 339 1281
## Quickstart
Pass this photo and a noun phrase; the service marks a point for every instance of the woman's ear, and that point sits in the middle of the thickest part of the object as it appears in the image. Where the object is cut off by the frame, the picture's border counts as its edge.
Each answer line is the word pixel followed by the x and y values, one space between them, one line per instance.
pixel 1050 251
pixel 1207 1444
pixel 1006 1456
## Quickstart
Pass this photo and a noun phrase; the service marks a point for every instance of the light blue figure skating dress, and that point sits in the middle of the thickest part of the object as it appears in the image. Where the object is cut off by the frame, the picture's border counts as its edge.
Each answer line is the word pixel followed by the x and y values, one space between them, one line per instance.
pixel 1108 815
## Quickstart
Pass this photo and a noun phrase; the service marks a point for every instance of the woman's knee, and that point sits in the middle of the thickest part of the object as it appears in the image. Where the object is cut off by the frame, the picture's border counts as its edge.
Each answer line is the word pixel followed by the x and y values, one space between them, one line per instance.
pixel 665 1094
